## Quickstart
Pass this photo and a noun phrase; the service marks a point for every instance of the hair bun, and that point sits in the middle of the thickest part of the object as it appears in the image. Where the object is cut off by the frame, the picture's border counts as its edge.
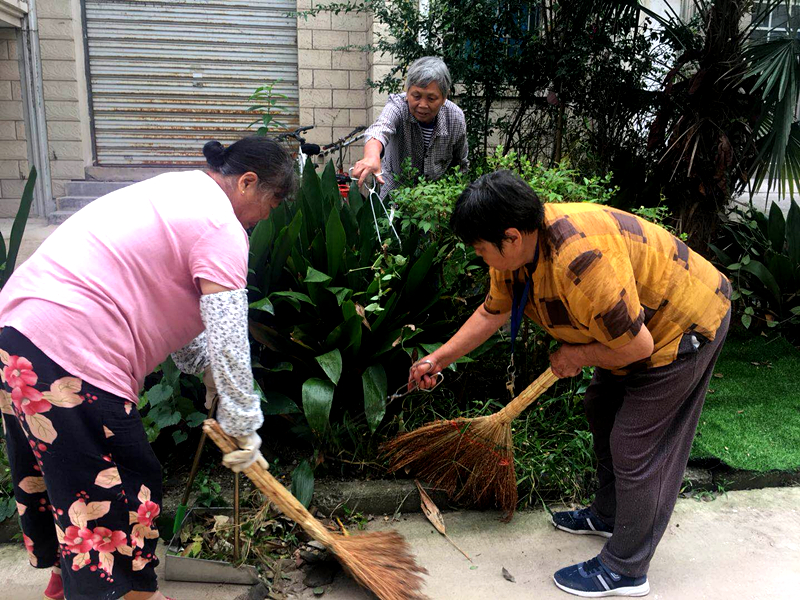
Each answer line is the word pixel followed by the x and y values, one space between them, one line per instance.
pixel 214 153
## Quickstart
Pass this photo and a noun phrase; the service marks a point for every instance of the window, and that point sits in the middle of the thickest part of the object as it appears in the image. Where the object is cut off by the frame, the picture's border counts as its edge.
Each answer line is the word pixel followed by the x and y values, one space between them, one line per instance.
pixel 784 18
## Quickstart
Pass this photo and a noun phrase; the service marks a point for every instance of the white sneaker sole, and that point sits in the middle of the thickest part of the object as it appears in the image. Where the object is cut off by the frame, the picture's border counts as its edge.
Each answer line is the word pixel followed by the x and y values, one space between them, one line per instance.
pixel 604 534
pixel 637 590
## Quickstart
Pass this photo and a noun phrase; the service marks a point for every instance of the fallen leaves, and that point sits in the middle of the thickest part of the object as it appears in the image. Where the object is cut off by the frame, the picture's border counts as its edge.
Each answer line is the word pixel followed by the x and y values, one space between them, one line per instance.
pixel 434 515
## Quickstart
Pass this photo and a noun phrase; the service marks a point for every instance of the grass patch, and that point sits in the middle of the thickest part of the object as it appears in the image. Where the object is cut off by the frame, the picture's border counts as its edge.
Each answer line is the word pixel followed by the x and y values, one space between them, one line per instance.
pixel 751 417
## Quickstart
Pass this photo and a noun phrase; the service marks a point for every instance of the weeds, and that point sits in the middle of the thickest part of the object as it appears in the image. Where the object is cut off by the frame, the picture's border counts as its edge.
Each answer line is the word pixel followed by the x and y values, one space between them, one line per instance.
pixel 209 491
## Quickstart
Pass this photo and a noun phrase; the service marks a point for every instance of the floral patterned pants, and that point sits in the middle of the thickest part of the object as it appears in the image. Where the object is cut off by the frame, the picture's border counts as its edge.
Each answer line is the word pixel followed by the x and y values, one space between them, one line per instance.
pixel 86 482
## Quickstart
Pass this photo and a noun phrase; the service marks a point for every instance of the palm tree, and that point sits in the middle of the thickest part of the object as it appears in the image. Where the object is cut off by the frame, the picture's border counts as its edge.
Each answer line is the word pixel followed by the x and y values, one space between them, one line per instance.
pixel 726 120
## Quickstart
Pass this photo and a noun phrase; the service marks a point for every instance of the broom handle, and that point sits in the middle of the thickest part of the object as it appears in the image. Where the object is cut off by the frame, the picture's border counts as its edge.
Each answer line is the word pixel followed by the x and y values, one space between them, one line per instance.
pixel 271 487
pixel 514 408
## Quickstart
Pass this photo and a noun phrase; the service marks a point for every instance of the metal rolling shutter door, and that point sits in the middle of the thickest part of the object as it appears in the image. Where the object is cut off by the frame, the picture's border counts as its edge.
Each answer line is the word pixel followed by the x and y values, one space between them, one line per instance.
pixel 167 76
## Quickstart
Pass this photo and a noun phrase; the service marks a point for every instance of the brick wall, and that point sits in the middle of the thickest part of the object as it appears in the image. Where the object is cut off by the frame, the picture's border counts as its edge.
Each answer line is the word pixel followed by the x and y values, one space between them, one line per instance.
pixel 379 66
pixel 13 147
pixel 64 101
pixel 61 48
pixel 332 83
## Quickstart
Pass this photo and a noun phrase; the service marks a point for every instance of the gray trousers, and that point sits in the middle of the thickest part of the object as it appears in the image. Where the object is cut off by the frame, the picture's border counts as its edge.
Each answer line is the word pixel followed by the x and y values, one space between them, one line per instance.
pixel 643 426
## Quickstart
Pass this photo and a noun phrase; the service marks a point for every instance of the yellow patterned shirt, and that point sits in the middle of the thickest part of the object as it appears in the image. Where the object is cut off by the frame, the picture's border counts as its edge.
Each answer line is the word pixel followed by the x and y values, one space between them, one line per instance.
pixel 602 273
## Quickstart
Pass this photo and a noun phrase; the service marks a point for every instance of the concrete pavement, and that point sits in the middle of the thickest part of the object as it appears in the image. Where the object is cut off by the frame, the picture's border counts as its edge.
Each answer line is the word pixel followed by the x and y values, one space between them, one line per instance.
pixel 741 546
pixel 19 581
pixel 36 231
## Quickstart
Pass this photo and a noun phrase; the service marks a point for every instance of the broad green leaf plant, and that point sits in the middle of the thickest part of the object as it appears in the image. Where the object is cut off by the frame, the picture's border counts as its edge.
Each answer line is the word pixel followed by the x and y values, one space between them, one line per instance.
pixel 342 313
pixel 761 255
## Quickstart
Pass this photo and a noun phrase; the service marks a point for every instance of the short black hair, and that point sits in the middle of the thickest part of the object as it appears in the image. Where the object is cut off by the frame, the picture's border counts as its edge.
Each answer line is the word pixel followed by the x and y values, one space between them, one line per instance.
pixel 261 155
pixel 494 203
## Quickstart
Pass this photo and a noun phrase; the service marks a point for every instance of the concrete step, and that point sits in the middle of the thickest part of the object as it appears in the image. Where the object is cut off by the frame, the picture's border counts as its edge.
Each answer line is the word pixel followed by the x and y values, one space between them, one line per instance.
pixel 73 203
pixel 59 216
pixel 129 174
pixel 94 189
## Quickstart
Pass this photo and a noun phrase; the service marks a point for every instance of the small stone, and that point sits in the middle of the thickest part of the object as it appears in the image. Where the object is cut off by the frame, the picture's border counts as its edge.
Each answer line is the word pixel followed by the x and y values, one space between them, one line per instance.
pixel 321 574
pixel 311 557
pixel 316 544
pixel 318 591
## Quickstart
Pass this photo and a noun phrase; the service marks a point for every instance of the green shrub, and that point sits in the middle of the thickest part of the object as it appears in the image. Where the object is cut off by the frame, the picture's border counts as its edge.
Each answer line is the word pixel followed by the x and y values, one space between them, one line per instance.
pixel 554 184
pixel 334 314
pixel 169 403
pixel 761 256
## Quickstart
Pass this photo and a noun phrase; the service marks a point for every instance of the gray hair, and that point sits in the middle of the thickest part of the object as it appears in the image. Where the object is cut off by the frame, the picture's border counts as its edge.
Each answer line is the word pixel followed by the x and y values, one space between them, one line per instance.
pixel 427 69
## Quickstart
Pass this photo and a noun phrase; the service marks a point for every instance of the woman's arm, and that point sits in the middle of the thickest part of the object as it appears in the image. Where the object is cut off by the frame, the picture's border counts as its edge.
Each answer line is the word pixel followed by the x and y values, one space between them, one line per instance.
pixel 569 359
pixel 224 313
pixel 477 329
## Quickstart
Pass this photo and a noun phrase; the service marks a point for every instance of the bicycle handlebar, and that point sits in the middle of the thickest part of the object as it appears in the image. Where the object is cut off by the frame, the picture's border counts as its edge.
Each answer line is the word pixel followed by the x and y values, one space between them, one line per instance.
pixel 330 149
pixel 294 134
pixel 341 141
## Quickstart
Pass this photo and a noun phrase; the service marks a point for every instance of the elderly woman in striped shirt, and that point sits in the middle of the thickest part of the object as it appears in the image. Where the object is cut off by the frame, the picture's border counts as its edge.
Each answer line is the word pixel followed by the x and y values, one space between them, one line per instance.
pixel 420 123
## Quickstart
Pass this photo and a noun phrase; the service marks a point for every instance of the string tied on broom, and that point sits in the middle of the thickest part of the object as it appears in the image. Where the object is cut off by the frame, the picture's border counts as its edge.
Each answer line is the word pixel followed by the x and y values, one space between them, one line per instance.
pixel 381 561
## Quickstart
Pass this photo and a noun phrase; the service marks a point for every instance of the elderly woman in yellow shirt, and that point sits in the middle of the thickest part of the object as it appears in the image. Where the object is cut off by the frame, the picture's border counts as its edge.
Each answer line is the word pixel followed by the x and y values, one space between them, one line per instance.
pixel 624 296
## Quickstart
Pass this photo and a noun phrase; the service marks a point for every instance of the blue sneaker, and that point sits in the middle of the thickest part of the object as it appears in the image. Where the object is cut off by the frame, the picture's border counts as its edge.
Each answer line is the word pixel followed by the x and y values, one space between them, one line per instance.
pixel 592 579
pixel 582 522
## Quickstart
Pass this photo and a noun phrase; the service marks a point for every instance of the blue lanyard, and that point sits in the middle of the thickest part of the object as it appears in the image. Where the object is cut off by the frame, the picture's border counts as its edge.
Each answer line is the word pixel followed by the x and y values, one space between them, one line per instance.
pixel 520 300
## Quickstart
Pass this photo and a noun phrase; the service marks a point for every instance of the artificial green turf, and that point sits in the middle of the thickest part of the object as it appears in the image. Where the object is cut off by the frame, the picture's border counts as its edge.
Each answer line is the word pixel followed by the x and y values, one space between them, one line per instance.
pixel 751 417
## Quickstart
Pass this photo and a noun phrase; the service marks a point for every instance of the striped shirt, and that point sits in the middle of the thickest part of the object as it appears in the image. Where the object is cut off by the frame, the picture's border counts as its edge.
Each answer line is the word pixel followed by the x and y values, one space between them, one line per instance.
pixel 427 131
pixel 403 137
pixel 604 273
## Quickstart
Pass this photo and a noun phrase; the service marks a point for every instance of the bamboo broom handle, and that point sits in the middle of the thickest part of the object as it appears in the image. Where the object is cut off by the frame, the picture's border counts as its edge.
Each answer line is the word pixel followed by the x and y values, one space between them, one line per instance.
pixel 514 408
pixel 271 487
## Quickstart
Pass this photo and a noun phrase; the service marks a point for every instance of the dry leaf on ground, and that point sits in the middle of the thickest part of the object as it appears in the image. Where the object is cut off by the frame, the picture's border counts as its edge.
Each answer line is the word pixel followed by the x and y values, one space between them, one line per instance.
pixel 435 516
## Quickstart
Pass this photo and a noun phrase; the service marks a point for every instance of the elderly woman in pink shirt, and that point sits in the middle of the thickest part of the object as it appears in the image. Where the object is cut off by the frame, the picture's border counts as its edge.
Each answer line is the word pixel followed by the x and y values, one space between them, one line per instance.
pixel 156 268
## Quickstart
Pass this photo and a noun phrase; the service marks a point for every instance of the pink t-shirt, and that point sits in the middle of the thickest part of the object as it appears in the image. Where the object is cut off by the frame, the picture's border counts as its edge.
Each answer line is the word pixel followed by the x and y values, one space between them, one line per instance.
pixel 115 289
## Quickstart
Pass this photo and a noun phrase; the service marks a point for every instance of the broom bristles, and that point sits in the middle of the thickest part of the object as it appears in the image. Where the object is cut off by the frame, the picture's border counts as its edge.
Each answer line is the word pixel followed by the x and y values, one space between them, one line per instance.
pixel 382 562
pixel 472 460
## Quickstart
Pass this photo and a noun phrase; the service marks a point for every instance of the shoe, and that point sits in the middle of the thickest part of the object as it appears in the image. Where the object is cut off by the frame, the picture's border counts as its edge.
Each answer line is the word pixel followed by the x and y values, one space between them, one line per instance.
pixel 55 588
pixel 592 579
pixel 582 522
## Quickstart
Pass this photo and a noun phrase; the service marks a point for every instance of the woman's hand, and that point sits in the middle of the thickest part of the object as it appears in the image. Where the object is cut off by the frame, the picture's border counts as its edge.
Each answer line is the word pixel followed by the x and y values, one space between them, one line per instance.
pixel 248 453
pixel 366 167
pixel 567 361
pixel 423 373
pixel 370 164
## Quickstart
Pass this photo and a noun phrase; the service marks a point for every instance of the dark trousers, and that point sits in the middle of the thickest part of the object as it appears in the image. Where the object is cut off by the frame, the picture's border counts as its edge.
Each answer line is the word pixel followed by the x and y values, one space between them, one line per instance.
pixel 643 426
pixel 86 482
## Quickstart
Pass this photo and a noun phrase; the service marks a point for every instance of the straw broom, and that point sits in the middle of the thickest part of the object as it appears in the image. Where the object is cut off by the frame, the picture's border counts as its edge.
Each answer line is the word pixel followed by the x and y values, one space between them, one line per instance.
pixel 380 561
pixel 472 460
